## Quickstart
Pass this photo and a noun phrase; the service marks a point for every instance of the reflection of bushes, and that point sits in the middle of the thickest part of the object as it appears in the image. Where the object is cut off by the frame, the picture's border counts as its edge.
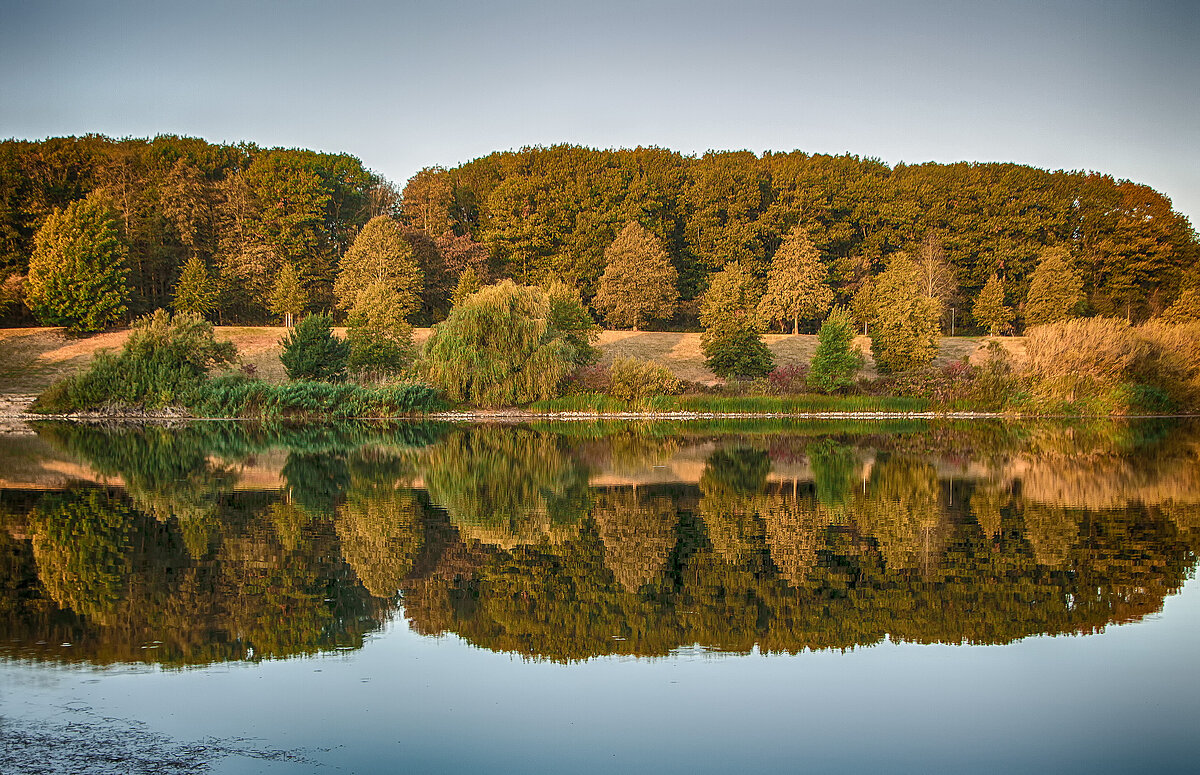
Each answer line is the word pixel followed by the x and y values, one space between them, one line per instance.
pixel 507 484
pixel 638 533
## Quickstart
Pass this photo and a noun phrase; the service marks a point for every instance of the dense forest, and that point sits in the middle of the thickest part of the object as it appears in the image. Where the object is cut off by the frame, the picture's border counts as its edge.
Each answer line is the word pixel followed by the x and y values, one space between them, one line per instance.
pixel 540 214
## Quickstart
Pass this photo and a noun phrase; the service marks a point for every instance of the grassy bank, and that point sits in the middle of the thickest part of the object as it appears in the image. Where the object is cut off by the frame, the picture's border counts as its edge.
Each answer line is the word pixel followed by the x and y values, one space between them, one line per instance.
pixel 717 404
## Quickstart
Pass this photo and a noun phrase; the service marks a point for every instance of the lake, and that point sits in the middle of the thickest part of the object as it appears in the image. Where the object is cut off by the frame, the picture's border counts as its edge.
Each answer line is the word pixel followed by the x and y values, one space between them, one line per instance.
pixel 600 597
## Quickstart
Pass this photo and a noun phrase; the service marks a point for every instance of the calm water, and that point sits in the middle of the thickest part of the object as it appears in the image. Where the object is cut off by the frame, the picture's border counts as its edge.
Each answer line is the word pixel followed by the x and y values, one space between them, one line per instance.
pixel 585 598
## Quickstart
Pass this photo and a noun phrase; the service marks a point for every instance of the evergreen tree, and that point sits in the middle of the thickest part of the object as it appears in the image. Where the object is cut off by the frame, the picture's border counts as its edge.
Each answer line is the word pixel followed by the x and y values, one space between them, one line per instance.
pixel 196 290
pixel 639 283
pixel 990 309
pixel 311 351
pixel 288 297
pixel 77 273
pixel 468 282
pixel 1055 291
pixel 380 254
pixel 904 329
pixel 797 283
pixel 836 361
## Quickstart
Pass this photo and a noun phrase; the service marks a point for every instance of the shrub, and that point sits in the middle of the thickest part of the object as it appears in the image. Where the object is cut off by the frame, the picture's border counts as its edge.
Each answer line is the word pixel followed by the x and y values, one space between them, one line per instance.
pixel 164 357
pixel 236 396
pixel 836 361
pixel 733 347
pixel 636 380
pixel 785 380
pixel 312 352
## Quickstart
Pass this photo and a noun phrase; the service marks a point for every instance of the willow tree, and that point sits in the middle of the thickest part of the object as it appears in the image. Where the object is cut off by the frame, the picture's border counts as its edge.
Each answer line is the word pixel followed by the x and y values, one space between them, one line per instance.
pixel 77 273
pixel 904 330
pixel 1055 291
pixel 797 283
pixel 501 347
pixel 990 309
pixel 380 255
pixel 639 283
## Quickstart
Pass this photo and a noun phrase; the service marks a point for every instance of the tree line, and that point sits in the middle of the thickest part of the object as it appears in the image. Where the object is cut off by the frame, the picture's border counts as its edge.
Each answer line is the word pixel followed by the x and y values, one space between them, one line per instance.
pixel 246 220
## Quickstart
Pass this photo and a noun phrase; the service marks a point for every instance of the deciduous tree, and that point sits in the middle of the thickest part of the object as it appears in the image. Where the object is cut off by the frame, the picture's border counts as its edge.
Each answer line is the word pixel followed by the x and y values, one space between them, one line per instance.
pixel 797 283
pixel 288 297
pixel 990 309
pixel 904 330
pixel 196 291
pixel 836 361
pixel 1055 292
pixel 77 274
pixel 380 254
pixel 639 283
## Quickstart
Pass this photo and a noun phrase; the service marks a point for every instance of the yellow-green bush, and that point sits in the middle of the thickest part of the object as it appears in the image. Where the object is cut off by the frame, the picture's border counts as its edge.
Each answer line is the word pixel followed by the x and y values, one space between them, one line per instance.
pixel 636 380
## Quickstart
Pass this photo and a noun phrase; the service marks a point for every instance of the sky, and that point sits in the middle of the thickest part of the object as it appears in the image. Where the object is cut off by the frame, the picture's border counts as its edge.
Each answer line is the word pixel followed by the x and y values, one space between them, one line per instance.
pixel 1106 86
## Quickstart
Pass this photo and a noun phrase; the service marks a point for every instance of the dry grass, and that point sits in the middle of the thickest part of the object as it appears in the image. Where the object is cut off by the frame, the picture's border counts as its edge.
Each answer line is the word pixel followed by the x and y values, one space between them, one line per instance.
pixel 31 359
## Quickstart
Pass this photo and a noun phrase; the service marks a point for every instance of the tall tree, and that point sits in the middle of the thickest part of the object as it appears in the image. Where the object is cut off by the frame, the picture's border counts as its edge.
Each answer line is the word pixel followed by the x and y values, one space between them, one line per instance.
pixel 797 282
pixel 288 297
pixel 990 309
pixel 196 291
pixel 639 282
pixel 904 330
pixel 380 254
pixel 836 360
pixel 77 274
pixel 731 291
pixel 731 338
pixel 1055 292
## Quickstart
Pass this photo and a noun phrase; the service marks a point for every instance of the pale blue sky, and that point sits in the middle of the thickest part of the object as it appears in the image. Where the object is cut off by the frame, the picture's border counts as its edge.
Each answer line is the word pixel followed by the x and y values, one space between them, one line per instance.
pixel 1109 86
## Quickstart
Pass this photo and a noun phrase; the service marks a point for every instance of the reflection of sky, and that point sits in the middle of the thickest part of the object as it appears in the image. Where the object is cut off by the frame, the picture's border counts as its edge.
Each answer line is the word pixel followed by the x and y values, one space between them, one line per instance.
pixel 1068 84
pixel 1123 700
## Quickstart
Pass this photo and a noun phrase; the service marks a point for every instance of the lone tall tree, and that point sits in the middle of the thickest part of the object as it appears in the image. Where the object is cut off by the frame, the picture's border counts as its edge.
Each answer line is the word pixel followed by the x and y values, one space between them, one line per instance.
pixel 904 330
pixel 639 284
pixel 1055 291
pixel 990 309
pixel 196 290
pixel 288 297
pixel 797 283
pixel 380 254
pixel 77 273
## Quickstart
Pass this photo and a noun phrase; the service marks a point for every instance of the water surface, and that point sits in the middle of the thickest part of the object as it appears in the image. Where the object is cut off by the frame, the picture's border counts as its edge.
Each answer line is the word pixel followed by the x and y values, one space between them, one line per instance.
pixel 581 597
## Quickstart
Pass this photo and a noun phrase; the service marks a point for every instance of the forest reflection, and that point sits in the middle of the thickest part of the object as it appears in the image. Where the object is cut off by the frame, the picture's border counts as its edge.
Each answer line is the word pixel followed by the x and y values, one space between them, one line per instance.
pixel 222 541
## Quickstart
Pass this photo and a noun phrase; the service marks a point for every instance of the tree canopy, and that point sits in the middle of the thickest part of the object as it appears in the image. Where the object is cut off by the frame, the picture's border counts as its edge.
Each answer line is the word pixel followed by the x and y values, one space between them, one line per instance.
pixel 797 283
pixel 904 329
pixel 1055 292
pixel 639 283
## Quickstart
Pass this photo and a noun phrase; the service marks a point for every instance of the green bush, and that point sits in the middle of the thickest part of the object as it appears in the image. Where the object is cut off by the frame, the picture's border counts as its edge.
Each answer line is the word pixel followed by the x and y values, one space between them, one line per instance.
pixel 164 357
pixel 636 380
pixel 733 347
pixel 237 396
pixel 312 352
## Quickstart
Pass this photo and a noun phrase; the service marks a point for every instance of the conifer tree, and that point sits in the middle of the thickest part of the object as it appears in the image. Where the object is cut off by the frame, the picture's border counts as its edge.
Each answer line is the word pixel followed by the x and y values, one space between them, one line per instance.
pixel 380 254
pixel 379 336
pixel 288 298
pixel 468 282
pixel 797 283
pixel 990 309
pixel 639 283
pixel 77 273
pixel 904 329
pixel 1055 291
pixel 196 290
pixel 836 361
pixel 1186 307
pixel 311 351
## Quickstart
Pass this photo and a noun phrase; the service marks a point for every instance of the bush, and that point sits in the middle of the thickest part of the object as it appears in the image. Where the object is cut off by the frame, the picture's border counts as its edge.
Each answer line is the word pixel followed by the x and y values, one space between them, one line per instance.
pixel 733 347
pixel 312 352
pixel 787 380
pixel 163 358
pixel 236 396
pixel 636 380
pixel 836 361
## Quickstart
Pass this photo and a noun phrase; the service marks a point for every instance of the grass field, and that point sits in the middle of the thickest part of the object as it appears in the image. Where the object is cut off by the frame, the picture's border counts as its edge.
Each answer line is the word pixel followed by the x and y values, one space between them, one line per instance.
pixel 33 358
